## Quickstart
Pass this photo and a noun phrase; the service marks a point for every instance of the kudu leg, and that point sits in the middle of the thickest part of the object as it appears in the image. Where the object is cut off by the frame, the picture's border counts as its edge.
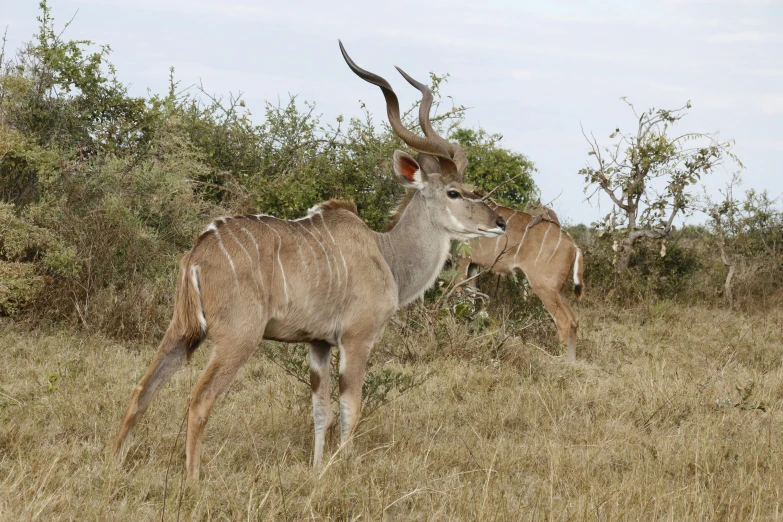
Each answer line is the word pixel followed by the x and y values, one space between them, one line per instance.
pixel 562 316
pixel 320 383
pixel 353 363
pixel 227 358
pixel 169 358
pixel 574 325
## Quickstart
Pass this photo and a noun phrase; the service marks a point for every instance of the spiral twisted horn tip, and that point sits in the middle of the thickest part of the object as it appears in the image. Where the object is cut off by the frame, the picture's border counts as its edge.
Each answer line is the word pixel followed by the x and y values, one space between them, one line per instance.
pixel 344 52
pixel 420 86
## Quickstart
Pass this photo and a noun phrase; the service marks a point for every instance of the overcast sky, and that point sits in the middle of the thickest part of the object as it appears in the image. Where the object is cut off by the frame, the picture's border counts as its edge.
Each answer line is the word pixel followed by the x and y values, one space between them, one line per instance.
pixel 532 71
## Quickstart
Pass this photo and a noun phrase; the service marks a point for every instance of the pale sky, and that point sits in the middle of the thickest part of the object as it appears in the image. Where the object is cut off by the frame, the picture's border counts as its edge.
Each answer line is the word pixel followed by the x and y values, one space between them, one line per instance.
pixel 532 71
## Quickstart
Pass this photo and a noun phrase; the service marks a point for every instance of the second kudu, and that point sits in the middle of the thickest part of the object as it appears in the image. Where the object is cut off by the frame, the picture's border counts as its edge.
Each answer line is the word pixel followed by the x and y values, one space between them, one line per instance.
pixel 326 279
pixel 536 245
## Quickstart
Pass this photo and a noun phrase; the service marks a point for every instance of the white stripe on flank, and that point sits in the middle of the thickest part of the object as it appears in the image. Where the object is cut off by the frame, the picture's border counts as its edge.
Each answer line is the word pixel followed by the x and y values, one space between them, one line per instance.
pixel 521 241
pixel 258 258
pixel 576 267
pixel 512 217
pixel 230 261
pixel 282 272
pixel 250 259
pixel 194 280
pixel 543 240
pixel 345 265
pixel 326 256
pixel 315 227
pixel 315 259
pixel 299 248
pixel 238 242
pixel 559 237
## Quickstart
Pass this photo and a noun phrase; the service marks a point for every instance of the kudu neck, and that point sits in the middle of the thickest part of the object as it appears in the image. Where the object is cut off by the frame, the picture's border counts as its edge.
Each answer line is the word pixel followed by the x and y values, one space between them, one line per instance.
pixel 415 250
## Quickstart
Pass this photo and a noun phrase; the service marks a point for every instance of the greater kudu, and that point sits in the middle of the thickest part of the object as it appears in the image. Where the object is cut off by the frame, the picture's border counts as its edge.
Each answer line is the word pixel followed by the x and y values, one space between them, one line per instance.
pixel 325 279
pixel 536 245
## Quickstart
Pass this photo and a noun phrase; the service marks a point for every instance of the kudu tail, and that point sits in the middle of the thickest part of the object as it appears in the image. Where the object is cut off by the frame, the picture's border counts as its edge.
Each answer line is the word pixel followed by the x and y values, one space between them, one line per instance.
pixel 189 320
pixel 579 267
pixel 187 329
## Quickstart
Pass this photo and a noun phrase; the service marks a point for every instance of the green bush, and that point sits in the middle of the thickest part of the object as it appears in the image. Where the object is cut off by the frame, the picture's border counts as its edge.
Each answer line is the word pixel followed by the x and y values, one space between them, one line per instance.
pixel 24 165
pixel 657 270
pixel 19 285
pixel 30 255
pixel 103 191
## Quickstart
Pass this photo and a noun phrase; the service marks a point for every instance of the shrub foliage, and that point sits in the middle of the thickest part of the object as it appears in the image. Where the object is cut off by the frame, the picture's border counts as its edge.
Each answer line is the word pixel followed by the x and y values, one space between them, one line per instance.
pixel 101 191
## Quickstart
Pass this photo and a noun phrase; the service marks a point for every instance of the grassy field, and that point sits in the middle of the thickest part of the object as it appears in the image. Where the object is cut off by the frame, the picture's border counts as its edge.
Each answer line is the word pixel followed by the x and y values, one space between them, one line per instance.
pixel 670 413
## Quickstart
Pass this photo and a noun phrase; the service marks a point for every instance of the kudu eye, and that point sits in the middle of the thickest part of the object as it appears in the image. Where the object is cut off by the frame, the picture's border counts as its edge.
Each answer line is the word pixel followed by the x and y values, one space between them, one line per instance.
pixel 453 194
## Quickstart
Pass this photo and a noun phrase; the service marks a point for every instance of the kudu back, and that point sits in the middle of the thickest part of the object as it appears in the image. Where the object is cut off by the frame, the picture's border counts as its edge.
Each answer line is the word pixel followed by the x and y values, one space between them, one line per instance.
pixel 325 279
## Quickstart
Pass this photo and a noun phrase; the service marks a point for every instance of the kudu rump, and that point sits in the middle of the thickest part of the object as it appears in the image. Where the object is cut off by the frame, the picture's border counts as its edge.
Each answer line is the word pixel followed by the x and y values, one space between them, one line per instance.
pixel 325 279
pixel 535 245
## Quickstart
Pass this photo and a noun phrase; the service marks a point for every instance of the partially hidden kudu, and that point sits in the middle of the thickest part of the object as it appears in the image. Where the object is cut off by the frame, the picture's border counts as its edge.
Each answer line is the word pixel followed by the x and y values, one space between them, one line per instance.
pixel 537 246
pixel 326 279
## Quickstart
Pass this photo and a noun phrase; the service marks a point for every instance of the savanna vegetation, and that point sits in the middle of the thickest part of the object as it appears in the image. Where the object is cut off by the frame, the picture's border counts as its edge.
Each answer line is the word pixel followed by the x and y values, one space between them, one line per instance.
pixel 671 411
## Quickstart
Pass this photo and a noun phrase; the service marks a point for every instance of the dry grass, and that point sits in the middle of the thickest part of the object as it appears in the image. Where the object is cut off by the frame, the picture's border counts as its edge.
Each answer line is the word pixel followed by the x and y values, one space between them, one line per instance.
pixel 671 413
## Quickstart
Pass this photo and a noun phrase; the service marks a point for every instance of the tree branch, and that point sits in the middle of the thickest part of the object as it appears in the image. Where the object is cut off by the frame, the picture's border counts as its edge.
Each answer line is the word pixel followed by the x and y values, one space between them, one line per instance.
pixel 675 209
pixel 604 181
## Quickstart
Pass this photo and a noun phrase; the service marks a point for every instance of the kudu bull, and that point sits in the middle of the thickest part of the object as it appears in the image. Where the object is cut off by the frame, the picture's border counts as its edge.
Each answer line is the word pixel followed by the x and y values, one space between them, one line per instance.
pixel 326 279
pixel 537 246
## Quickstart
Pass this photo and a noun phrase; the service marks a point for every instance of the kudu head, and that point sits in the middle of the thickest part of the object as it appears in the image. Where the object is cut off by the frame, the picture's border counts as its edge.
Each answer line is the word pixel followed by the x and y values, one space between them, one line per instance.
pixel 438 169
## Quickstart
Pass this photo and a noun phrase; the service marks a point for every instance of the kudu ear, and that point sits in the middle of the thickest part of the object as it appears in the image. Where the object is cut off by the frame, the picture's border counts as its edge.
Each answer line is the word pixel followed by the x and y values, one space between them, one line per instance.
pixel 408 171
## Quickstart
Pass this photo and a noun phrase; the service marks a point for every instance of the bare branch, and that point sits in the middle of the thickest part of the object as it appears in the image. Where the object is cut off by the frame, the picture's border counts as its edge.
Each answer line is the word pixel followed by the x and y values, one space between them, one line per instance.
pixel 479 273
pixel 509 180
pixel 668 227
pixel 604 180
